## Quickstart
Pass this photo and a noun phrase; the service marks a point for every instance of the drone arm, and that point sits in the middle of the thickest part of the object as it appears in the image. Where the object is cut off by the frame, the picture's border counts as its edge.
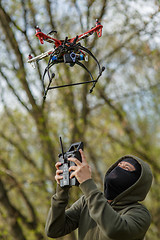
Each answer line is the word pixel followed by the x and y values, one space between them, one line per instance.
pixel 41 56
pixel 43 37
pixel 97 29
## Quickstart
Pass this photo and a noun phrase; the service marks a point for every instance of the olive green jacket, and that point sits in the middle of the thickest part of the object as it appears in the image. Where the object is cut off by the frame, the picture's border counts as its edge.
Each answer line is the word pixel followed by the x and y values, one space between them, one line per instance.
pixel 95 218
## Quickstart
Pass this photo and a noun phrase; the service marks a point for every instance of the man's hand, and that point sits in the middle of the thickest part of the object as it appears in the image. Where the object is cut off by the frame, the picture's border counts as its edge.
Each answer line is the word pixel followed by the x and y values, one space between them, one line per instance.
pixel 82 170
pixel 58 172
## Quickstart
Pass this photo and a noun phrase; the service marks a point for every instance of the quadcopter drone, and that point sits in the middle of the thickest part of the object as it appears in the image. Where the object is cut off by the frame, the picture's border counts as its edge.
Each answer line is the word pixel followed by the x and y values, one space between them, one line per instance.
pixel 67 51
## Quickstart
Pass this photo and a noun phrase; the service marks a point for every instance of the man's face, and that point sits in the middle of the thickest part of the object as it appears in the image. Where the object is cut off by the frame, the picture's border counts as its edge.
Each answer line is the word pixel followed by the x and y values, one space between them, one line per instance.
pixel 121 177
pixel 126 166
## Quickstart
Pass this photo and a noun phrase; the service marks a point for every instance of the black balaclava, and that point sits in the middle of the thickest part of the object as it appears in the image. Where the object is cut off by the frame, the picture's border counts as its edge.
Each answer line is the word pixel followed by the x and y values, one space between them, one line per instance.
pixel 119 179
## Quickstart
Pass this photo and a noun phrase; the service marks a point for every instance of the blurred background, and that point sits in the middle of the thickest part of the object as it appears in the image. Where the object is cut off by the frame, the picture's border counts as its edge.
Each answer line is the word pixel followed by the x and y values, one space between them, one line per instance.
pixel 120 117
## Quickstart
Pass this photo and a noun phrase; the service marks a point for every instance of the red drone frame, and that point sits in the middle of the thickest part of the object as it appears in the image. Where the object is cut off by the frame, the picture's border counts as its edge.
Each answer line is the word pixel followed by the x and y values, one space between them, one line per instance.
pixel 67 51
pixel 43 37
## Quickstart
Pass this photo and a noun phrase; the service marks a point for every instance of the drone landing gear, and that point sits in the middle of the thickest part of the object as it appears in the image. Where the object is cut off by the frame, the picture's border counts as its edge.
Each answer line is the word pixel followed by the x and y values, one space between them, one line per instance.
pixel 71 54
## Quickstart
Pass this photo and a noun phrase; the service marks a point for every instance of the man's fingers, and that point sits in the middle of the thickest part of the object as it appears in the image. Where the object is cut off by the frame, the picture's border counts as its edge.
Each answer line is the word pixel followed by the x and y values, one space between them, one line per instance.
pixel 58 164
pixel 83 156
pixel 72 175
pixel 58 178
pixel 75 160
pixel 58 175
pixel 72 168
pixel 59 172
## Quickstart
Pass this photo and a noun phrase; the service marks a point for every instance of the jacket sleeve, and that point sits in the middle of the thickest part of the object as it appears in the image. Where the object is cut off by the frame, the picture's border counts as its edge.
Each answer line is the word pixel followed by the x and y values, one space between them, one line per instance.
pixel 60 222
pixel 131 225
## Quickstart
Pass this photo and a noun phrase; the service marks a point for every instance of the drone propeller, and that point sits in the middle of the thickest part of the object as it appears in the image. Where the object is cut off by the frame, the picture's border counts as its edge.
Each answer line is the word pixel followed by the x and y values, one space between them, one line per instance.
pixel 52 32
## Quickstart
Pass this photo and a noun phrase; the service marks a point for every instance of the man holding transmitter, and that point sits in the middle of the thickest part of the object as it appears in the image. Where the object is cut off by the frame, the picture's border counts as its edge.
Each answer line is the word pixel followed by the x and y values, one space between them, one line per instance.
pixel 115 214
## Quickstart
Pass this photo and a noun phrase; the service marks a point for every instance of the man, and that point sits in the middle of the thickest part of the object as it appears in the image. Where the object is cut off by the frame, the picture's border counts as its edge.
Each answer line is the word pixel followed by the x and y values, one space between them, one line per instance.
pixel 115 214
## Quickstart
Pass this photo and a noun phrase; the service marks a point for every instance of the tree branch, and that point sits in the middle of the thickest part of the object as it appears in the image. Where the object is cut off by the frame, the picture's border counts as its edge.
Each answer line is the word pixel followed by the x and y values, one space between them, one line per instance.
pixel 33 223
pixel 13 90
pixel 12 212
pixel 20 150
pixel 5 21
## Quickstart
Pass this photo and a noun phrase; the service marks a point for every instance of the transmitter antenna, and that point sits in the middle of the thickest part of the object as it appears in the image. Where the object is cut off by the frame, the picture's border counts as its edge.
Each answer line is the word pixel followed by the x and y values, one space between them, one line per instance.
pixel 62 149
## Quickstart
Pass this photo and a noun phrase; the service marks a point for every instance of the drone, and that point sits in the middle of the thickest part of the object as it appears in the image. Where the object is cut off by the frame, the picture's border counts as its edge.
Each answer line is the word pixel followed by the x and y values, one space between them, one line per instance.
pixel 68 51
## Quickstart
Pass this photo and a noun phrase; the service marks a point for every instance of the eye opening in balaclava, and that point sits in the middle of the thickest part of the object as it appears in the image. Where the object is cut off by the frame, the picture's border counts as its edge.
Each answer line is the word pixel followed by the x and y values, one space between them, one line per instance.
pixel 119 179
